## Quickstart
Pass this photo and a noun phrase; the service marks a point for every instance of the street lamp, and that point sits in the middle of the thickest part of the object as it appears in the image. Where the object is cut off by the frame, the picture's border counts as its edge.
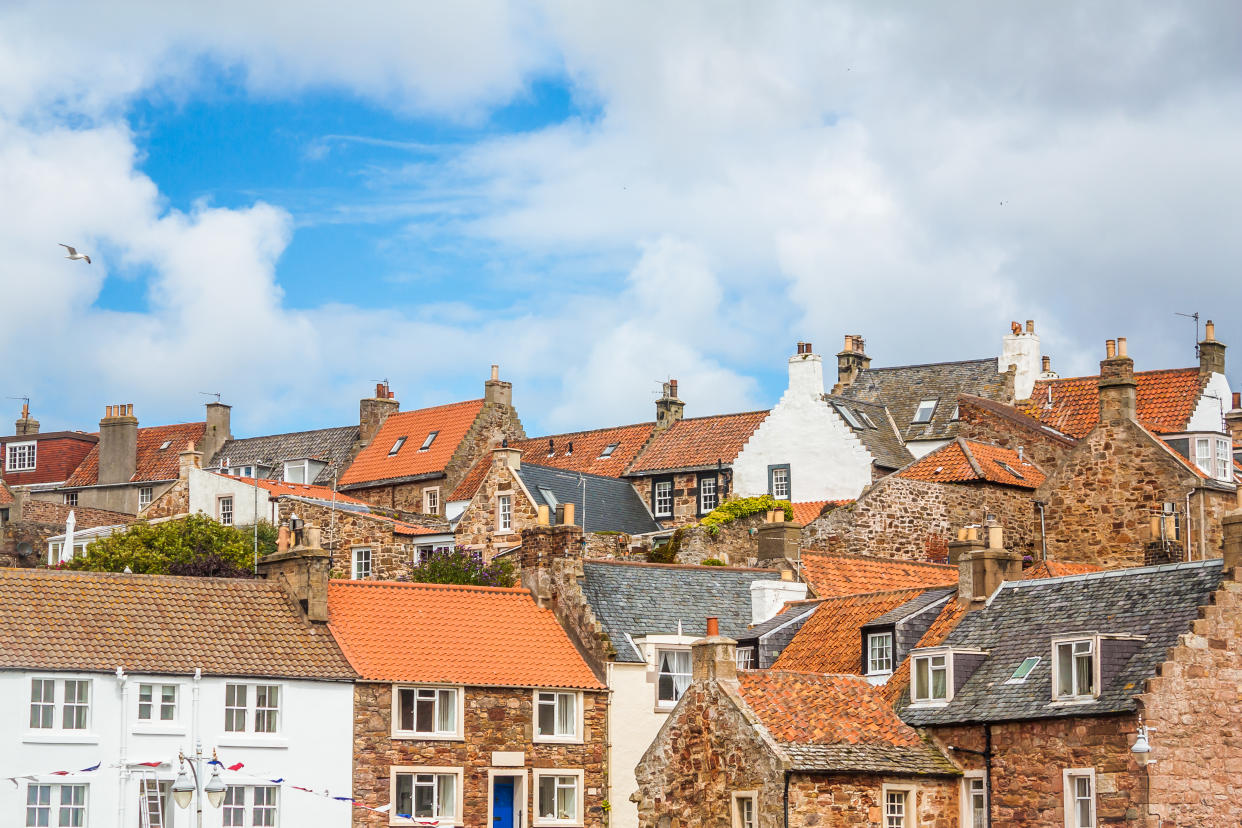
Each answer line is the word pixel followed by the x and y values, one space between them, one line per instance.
pixel 184 788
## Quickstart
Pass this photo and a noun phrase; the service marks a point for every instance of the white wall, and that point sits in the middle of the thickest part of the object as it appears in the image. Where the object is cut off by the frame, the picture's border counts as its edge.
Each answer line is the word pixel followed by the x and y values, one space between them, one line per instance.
pixel 826 461
pixel 314 747
pixel 1022 350
pixel 921 448
pixel 1217 397
pixel 207 487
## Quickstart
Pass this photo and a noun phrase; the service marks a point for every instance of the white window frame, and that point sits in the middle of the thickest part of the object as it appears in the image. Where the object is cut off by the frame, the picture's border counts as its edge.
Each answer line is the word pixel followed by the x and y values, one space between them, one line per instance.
pixel 22 456
pixel 1203 455
pixel 735 812
pixel 430 439
pixel 504 512
pixel 659 500
pixel 57 704
pixel 664 705
pixel 56 802
pixel 745 658
pixel 538 702
pixel 930 414
pixel 968 812
pixel 431 500
pixel 459 712
pixel 252 710
pixel 249 806
pixel 71 499
pixel 778 483
pixel 145 495
pixel 1224 460
pixel 220 513
pixel 157 704
pixel 576 820
pixel 909 804
pixel 872 668
pixel 356 561
pixel 706 483
pixel 928 654
pixel 415 771
pixel 290 465
pixel 1070 796
pixel 1070 640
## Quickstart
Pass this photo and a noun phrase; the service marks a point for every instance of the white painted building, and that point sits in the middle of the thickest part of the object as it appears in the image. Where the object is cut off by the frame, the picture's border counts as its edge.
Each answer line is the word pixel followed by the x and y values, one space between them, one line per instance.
pixel 122 672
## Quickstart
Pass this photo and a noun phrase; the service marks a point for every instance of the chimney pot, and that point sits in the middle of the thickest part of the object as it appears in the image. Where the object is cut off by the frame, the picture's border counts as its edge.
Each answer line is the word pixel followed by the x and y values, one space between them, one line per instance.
pixel 672 387
pixel 1237 400
pixel 1030 326
pixel 1110 348
pixel 1121 346
pixel 1047 364
pixel 849 343
pixel 1209 331
pixel 544 515
pixel 495 372
pixel 713 627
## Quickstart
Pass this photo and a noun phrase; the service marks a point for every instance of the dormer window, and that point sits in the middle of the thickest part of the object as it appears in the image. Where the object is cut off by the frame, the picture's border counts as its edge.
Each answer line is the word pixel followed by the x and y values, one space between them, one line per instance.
pixel 608 450
pixel 431 438
pixel 929 682
pixel 1074 667
pixel 879 654
pixel 925 411
pixel 21 457
pixel 396 447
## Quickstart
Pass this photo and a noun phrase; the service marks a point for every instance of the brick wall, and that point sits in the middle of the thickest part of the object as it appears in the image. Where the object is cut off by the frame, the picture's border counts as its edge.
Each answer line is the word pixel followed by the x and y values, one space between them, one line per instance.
pixel 975 422
pixel 915 519
pixel 495 720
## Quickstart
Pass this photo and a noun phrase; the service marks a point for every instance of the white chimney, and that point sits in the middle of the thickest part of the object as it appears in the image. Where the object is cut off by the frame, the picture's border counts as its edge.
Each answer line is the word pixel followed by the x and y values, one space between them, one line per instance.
pixel 767 598
pixel 1021 348
pixel 806 372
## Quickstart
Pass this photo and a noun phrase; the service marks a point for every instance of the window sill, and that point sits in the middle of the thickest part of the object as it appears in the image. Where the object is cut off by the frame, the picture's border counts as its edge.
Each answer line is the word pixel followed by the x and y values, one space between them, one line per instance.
pixel 444 822
pixel 244 740
pixel 55 737
pixel 934 703
pixel 557 823
pixel 1072 700
pixel 149 730
pixel 411 736
pixel 560 740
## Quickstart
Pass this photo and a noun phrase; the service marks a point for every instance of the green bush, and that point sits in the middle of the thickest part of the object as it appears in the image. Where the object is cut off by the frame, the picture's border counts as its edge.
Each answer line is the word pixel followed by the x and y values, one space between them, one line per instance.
pixel 742 507
pixel 713 562
pixel 666 553
pixel 193 545
pixel 463 566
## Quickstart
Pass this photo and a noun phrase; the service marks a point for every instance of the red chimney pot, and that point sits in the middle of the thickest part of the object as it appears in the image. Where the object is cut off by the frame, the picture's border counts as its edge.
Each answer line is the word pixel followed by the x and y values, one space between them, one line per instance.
pixel 713 627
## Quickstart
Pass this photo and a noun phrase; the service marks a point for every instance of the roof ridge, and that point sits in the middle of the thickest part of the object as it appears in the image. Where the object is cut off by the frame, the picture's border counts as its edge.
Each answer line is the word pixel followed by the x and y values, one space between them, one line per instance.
pixel 718 416
pixel 574 472
pixel 586 431
pixel 290 433
pixel 855 557
pixel 346 582
pixel 612 562
pixel 932 364
pixel 1113 573
pixel 1136 373
pixel 433 408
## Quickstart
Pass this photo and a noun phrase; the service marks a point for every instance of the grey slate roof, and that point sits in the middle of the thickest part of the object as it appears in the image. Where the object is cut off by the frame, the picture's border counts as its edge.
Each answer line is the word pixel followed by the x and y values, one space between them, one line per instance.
pixel 911 607
pixel 884 442
pixel 797 612
pixel 638 599
pixel 902 388
pixel 611 504
pixel 772 636
pixel 1157 602
pixel 332 445
pixel 871 758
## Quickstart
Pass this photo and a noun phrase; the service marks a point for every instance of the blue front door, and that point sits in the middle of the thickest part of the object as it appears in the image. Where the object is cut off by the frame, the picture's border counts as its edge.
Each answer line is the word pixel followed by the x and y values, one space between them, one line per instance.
pixel 502 802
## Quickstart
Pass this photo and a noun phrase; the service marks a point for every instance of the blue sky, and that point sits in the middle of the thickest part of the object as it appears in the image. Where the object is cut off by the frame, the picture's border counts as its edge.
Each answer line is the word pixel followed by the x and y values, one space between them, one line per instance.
pixel 286 207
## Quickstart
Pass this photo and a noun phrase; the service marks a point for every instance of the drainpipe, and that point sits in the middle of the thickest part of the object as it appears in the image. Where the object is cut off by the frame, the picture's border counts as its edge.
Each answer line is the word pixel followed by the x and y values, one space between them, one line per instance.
pixel 987 754
pixel 1188 524
pixel 1202 527
pixel 122 775
pixel 787 799
pixel 1043 532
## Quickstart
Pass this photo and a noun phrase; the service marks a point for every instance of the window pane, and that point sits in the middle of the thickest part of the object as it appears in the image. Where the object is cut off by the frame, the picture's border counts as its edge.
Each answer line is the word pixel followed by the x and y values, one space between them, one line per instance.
pixel 426 711
pixel 446 795
pixel 567 797
pixel 547 797
pixel 424 795
pixel 446 715
pixel 405 793
pixel 405 709
pixel 547 714
pixel 1065 670
pixel 168 702
pixel 38 805
pixel 73 716
pixel 940 688
pixel 266 708
pixel 566 718
pixel 264 807
pixel 72 805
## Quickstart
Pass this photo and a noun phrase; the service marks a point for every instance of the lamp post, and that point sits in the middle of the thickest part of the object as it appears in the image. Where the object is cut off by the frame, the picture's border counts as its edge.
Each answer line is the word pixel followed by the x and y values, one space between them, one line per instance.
pixel 183 790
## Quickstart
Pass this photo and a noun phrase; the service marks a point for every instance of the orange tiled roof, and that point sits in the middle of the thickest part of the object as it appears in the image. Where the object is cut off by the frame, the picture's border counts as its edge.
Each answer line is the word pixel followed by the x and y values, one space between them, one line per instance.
pixel 6 497
pixel 482 636
pixel 950 615
pixel 833 574
pixel 808 510
pixel 373 464
pixel 830 641
pixel 278 487
pixel 699 442
pixel 1058 569
pixel 95 621
pixel 967 460
pixel 153 463
pixel 1165 401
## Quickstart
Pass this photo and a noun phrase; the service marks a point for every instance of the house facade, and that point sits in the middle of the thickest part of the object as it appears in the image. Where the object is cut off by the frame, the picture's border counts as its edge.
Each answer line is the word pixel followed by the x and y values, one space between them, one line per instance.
pixel 41 461
pixel 473 708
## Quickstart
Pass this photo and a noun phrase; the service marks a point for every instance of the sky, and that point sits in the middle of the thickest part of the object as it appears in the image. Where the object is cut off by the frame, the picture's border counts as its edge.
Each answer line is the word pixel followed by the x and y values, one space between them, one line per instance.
pixel 285 205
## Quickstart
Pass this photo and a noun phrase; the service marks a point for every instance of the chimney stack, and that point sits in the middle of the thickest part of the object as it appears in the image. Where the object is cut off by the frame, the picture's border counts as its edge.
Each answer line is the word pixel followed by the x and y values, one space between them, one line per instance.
pixel 564 514
pixel 506 456
pixel 1020 348
pixel 669 409
pixel 1233 418
pixel 497 392
pixel 713 657
pixel 983 563
pixel 374 411
pixel 118 444
pixel 806 373
pixel 26 425
pixel 1118 389
pixel 780 540
pixel 302 571
pixel 218 429
pixel 188 459
pixel 1231 525
pixel 851 361
pixel 1211 352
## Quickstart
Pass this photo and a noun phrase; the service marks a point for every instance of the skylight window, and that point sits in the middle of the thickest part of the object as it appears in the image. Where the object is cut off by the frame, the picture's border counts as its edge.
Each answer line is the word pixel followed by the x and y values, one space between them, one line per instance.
pixel 848 416
pixel 431 438
pixel 396 447
pixel 1009 469
pixel 548 497
pixel 866 418
pixel 165 444
pixel 1024 670
pixel 925 411
pixel 608 450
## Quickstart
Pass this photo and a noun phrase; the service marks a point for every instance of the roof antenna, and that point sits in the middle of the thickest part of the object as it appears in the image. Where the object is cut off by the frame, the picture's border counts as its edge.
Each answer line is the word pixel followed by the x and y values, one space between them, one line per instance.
pixel 215 394
pixel 1194 316
pixel 25 404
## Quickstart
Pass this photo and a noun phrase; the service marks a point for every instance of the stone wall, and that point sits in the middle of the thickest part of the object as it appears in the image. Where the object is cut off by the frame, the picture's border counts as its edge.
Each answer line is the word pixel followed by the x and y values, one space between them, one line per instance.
pixel 175 501
pixel 1030 756
pixel 733 543
pixel 1100 500
pixel 1011 431
pixel 1194 707
pixel 476 528
pixel 685 496
pixel 495 720
pixel 858 800
pixel 915 519
pixel 85 517
pixel 392 556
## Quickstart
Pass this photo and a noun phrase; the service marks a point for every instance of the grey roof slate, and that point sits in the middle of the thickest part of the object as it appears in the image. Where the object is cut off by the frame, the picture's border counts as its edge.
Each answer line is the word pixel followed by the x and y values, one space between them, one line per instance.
pixel 902 388
pixel 332 445
pixel 1158 602
pixel 911 607
pixel 797 612
pixel 884 441
pixel 923 760
pixel 651 599
pixel 611 504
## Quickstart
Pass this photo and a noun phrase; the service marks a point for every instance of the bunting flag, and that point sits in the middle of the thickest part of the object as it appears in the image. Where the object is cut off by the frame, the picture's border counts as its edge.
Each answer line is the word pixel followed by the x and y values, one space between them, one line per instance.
pixel 34 777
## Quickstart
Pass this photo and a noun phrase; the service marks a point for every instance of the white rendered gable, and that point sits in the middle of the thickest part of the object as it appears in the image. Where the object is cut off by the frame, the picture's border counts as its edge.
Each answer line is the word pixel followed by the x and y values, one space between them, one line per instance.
pixel 1213 402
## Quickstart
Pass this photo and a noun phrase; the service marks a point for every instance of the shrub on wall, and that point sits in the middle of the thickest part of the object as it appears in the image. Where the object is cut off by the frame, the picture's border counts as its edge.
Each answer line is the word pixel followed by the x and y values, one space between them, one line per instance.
pixel 742 507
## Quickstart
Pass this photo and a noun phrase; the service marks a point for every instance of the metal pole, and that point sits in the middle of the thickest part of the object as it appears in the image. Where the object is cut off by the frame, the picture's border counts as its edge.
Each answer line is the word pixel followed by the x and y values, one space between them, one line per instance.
pixel 255 518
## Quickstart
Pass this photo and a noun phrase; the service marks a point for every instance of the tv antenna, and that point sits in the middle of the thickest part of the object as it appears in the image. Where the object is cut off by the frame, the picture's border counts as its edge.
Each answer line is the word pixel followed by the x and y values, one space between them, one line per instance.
pixel 215 394
pixel 1194 316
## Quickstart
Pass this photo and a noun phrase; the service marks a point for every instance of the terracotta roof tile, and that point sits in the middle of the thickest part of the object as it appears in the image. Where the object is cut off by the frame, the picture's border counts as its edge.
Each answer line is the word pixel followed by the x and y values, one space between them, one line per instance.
pixel 482 636
pixel 1166 401
pixel 1057 569
pixel 808 510
pixel 97 621
pixel 374 463
pixel 830 641
pixel 699 442
pixel 153 462
pixel 832 574
pixel 967 460
pixel 6 497
pixel 278 487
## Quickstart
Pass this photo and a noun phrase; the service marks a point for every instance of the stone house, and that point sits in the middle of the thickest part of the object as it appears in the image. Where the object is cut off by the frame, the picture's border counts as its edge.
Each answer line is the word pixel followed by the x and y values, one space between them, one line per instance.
pixel 915 512
pixel 988 421
pixel 28 527
pixel 772 748
pixel 473 708
pixel 1096 699
pixel 512 495
pixel 416 459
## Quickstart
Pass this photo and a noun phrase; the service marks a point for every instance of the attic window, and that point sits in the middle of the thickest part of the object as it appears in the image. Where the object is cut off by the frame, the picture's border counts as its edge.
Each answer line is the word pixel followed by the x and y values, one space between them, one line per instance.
pixel 1024 670
pixel 396 447
pixel 608 450
pixel 1009 469
pixel 548 497
pixel 164 445
pixel 925 411
pixel 431 438
pixel 866 419
pixel 956 413
pixel 848 416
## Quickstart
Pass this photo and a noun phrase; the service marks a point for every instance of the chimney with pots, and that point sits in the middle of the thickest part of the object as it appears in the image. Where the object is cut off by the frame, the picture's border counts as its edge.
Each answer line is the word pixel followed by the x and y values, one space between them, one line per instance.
pixel 118 444
pixel 188 459
pixel 806 373
pixel 1233 418
pixel 1211 352
pixel 27 424
pixel 1118 390
pixel 503 455
pixel 218 429
pixel 302 571
pixel 851 361
pixel 1020 348
pixel 565 514
pixel 1047 373
pixel 713 657
pixel 497 392
pixel 669 409
pixel 983 563
pixel 373 412
pixel 780 540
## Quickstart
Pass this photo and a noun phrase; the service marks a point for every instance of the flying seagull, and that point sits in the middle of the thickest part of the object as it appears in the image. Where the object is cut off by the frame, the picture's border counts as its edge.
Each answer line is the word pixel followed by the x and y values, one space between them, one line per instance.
pixel 74 254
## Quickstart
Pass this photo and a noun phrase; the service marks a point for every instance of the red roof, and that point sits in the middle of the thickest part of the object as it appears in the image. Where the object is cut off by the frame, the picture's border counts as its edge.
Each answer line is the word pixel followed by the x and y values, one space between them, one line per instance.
pixel 699 442
pixel 278 487
pixel 831 640
pixel 376 463
pixel 832 574
pixel 808 510
pixel 1058 569
pixel 153 461
pixel 6 497
pixel 480 636
pixel 1165 401
pixel 964 461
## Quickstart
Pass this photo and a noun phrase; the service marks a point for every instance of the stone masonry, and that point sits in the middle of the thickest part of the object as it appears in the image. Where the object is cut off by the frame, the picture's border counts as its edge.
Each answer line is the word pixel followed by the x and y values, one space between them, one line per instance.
pixel 392 554
pixel 478 527
pixel 685 496
pixel 989 422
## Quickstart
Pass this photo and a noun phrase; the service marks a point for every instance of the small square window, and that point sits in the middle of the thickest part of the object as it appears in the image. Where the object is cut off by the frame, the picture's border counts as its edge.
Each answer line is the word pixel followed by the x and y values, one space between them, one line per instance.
pixel 145 495
pixel 431 438
pixel 426 794
pixel 929 682
pixel 396 447
pixel 673 676
pixel 157 702
pixel 879 653
pixel 556 715
pixel 926 409
pixel 897 810
pixel 431 501
pixel 778 482
pixel 427 712
pixel 708 499
pixel 21 457
pixel 1074 669
pixel 224 510
pixel 361 563
pixel 1024 670
pixel 662 498
pixel 608 450
pixel 558 797
pixel 71 499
